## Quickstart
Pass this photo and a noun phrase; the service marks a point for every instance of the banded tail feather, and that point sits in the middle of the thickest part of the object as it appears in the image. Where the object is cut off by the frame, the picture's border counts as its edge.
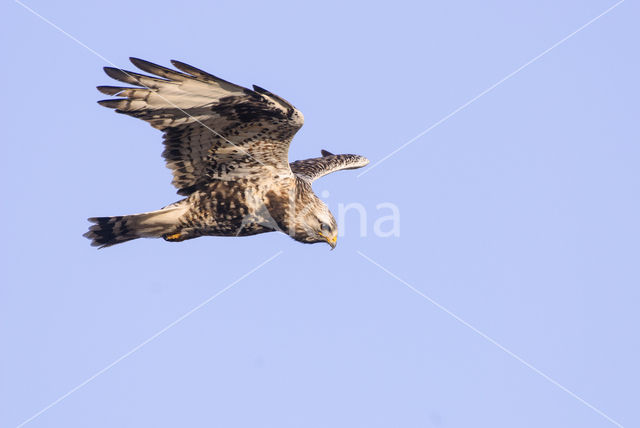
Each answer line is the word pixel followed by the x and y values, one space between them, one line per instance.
pixel 108 231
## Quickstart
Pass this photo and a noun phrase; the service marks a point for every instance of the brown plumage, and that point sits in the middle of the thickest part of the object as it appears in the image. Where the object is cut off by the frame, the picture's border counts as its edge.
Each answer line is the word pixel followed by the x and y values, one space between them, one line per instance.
pixel 227 147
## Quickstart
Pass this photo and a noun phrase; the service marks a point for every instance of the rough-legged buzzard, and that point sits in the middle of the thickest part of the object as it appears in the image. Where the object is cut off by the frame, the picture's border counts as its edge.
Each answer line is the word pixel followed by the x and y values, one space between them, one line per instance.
pixel 228 149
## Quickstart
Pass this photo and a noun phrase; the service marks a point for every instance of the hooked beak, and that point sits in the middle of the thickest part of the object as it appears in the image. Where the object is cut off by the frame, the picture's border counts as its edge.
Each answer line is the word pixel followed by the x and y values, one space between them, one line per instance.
pixel 331 241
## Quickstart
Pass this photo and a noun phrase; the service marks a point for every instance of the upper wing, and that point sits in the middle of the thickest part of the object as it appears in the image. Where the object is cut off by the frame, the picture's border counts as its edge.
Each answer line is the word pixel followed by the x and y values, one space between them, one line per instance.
pixel 312 169
pixel 213 129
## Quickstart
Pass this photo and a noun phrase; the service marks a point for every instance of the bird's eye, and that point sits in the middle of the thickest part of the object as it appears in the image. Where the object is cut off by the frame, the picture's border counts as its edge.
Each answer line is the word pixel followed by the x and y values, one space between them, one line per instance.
pixel 325 227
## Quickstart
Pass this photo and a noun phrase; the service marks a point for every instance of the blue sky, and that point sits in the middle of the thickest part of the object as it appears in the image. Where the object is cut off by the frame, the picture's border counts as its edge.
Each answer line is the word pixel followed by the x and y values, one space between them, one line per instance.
pixel 518 220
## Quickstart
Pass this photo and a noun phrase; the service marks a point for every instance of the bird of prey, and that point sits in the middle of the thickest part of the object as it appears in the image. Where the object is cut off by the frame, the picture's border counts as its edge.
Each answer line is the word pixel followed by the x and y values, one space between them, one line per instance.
pixel 227 147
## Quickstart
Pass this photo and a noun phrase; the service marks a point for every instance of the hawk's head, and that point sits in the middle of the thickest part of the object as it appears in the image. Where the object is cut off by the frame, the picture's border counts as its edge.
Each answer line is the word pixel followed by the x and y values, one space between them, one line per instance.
pixel 315 223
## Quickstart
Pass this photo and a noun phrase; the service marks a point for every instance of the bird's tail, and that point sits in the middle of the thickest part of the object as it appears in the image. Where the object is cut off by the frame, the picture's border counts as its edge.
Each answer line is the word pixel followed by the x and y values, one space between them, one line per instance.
pixel 108 231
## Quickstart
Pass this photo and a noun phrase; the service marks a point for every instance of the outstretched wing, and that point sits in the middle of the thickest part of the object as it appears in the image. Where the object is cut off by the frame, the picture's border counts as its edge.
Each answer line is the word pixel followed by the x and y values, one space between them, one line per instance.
pixel 312 169
pixel 213 129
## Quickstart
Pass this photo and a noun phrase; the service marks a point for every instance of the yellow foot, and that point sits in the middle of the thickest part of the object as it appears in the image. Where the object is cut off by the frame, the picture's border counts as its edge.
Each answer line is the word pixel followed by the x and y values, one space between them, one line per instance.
pixel 174 237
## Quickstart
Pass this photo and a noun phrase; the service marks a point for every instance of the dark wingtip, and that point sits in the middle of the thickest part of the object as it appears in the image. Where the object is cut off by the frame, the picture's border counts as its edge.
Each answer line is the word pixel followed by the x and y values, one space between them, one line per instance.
pixel 135 61
pixel 143 64
pixel 111 103
pixel 110 90
pixel 117 73
pixel 260 90
pixel 326 153
pixel 182 65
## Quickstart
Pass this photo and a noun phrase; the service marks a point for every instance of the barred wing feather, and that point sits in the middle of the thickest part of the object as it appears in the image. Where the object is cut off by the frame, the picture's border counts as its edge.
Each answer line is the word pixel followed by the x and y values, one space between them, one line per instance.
pixel 213 129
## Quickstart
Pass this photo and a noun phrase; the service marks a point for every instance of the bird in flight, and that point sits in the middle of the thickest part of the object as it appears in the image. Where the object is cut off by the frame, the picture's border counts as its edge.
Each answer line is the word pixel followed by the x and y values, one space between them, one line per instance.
pixel 227 147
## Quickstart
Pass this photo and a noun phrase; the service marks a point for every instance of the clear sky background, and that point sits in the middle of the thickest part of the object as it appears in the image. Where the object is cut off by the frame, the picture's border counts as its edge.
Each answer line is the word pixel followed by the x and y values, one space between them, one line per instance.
pixel 519 214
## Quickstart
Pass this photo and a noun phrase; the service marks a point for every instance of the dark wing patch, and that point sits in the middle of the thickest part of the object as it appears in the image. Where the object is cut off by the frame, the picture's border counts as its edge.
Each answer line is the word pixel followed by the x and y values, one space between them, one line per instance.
pixel 213 129
pixel 312 169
